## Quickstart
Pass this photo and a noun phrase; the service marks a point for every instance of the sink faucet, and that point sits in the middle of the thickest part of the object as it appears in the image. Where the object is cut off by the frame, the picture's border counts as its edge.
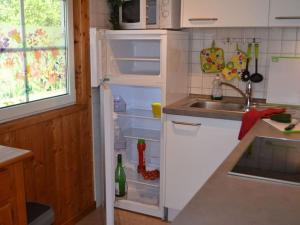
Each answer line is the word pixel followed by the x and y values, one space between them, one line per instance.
pixel 247 95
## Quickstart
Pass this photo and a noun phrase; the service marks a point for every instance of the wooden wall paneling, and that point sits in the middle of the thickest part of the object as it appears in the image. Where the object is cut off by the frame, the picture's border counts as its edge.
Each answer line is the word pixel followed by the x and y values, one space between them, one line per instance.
pixel 87 161
pixel 81 42
pixel 70 140
pixel 61 173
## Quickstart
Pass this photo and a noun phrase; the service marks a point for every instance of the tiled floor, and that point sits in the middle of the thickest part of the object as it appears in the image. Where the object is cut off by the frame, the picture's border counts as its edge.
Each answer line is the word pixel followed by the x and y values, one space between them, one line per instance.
pixel 122 218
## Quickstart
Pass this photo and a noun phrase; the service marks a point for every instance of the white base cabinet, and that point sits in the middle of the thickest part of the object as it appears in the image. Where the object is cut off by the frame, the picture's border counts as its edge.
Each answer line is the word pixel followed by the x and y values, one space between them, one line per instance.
pixel 195 147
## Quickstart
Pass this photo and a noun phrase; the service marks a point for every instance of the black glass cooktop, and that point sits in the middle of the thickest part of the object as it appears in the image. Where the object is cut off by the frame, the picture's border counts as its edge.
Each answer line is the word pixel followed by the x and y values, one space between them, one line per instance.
pixel 270 159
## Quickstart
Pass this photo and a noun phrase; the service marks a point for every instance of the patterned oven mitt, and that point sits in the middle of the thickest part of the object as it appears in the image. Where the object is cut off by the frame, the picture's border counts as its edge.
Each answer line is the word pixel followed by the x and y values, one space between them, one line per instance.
pixel 236 65
pixel 212 59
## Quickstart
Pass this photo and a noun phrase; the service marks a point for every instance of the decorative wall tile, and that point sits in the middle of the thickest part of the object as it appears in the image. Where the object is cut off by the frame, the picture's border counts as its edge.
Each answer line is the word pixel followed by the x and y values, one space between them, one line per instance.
pixel 262 33
pixel 288 47
pixel 298 48
pixel 275 34
pixel 210 33
pixel 275 47
pixel 289 34
pixel 273 41
pixel 249 33
pixel 197 91
pixel 196 81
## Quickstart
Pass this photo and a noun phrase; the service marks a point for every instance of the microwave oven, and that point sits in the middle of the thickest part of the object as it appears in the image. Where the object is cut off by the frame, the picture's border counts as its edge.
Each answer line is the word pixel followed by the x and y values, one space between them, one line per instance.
pixel 150 14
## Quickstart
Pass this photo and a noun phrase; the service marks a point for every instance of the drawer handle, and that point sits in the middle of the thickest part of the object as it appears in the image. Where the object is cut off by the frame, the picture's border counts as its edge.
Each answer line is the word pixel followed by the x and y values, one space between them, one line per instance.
pixel 287 18
pixel 187 124
pixel 203 19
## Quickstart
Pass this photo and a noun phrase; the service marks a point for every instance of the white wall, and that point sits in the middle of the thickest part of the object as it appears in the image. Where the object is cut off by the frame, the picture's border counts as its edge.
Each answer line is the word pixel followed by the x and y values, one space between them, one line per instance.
pixel 99 14
pixel 273 41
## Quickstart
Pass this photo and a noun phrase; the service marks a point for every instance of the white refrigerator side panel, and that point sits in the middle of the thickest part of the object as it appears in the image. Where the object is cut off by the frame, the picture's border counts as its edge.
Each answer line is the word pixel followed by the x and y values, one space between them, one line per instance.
pixel 109 152
pixel 176 48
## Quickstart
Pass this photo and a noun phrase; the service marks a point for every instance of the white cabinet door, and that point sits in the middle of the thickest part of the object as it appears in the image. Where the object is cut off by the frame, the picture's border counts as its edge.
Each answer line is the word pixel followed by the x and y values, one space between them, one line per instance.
pixel 220 13
pixel 195 147
pixel 284 13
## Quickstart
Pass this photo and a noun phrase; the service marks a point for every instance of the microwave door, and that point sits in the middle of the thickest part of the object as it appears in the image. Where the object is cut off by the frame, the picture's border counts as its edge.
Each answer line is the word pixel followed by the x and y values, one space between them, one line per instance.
pixel 152 10
pixel 132 14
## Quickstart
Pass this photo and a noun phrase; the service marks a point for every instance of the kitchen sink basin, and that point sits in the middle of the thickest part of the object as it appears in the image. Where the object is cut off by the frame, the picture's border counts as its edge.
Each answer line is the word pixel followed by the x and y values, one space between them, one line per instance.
pixel 218 106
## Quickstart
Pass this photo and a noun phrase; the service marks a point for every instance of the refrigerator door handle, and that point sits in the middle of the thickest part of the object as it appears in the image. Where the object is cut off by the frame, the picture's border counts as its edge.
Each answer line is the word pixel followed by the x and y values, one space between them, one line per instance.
pixel 104 81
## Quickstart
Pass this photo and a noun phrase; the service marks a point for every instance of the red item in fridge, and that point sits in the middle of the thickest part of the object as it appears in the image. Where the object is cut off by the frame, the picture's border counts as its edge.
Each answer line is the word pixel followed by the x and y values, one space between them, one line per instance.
pixel 150 175
pixel 141 146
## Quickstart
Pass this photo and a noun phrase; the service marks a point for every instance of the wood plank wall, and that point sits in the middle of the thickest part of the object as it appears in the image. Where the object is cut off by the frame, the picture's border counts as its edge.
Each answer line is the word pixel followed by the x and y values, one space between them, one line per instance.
pixel 61 172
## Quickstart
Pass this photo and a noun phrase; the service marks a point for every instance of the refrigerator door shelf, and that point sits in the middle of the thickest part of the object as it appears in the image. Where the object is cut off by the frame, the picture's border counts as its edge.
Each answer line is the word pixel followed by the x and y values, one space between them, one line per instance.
pixel 137 133
pixel 140 193
pixel 133 177
pixel 138 113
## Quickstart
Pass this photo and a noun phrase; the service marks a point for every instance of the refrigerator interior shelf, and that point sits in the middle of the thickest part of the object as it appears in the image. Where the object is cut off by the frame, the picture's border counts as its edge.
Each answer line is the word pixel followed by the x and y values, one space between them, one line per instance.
pixel 148 135
pixel 138 113
pixel 134 177
pixel 137 59
pixel 141 193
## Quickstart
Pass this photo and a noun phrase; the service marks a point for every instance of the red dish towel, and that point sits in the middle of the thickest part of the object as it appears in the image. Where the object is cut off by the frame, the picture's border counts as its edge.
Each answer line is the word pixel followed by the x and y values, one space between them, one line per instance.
pixel 251 117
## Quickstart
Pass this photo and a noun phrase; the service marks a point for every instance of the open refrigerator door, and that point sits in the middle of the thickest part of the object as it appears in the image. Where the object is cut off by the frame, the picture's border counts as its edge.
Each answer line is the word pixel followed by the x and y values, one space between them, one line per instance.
pixel 109 153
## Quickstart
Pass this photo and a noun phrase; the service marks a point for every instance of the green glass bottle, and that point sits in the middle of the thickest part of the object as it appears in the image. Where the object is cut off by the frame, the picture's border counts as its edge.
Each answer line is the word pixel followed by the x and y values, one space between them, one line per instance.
pixel 120 179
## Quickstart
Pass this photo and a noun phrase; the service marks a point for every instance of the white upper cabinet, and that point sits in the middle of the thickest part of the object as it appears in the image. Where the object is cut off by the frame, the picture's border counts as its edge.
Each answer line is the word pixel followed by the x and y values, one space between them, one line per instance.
pixel 284 13
pixel 228 13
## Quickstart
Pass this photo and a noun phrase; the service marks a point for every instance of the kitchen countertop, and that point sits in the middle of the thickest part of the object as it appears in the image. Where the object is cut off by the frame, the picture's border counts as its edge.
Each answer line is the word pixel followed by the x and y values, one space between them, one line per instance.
pixel 9 155
pixel 227 199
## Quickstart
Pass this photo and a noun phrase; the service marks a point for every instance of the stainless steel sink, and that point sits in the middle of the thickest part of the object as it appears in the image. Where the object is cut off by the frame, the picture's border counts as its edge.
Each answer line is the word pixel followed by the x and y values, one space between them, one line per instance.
pixel 225 106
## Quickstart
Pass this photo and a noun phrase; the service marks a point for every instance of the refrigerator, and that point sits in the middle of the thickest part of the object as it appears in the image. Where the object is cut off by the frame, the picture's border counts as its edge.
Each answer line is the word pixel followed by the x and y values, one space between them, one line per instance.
pixel 135 68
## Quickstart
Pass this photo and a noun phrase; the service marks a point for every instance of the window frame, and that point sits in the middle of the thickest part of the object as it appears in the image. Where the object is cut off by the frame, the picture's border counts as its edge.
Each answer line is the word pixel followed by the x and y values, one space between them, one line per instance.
pixel 31 108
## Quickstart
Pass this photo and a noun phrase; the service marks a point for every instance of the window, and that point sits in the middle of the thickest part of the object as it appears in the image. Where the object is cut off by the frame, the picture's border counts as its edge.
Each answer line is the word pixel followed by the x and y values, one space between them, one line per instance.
pixel 36 56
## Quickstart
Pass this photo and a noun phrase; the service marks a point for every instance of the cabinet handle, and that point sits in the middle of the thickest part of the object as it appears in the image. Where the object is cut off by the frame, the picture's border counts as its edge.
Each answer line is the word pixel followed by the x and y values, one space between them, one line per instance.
pixel 187 124
pixel 287 18
pixel 203 19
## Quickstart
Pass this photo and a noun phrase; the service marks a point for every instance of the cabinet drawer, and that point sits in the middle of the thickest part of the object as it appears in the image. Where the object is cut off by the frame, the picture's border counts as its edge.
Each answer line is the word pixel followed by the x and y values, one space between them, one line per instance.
pixel 5 184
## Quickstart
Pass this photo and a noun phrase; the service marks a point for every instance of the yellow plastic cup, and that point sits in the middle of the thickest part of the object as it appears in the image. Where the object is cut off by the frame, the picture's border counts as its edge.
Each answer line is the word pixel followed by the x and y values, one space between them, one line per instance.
pixel 156 109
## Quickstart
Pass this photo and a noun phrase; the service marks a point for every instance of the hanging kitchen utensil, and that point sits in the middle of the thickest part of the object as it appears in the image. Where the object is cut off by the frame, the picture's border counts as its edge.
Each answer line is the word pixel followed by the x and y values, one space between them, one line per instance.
pixel 212 59
pixel 246 73
pixel 256 77
pixel 236 65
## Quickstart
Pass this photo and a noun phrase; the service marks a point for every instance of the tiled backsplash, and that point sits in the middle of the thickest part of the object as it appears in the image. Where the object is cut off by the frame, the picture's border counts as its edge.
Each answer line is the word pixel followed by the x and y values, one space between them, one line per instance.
pixel 273 41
